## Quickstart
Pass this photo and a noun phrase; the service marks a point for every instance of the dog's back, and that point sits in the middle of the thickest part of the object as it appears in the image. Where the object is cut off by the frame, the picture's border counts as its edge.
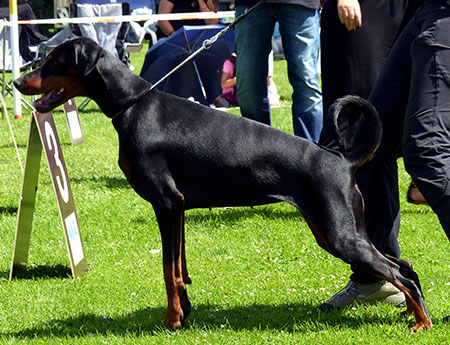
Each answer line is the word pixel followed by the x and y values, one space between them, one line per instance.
pixel 219 159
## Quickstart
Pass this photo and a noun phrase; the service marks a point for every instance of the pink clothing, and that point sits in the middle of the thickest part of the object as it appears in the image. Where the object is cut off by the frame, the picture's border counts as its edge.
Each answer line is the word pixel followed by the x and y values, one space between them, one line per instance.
pixel 228 67
pixel 228 97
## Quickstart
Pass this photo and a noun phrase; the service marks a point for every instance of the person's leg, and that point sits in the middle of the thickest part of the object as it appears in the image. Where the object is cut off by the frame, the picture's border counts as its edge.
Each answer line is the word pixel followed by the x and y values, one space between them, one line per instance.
pixel 252 44
pixel 299 29
pixel 426 145
pixel 378 179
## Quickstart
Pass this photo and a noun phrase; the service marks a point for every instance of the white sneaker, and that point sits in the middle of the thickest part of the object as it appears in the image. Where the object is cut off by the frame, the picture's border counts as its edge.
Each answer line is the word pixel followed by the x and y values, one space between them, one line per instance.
pixel 353 292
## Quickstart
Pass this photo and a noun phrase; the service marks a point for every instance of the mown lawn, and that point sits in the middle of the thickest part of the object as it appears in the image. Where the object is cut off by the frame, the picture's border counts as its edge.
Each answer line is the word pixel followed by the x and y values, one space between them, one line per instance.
pixel 257 273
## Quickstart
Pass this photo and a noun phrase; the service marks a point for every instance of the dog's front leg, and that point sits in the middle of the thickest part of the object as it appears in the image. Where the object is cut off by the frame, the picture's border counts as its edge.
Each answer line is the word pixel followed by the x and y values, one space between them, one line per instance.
pixel 171 227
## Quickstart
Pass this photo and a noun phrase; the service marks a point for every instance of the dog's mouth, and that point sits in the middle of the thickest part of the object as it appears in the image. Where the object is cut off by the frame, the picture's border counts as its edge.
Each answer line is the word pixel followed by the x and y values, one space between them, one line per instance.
pixel 50 100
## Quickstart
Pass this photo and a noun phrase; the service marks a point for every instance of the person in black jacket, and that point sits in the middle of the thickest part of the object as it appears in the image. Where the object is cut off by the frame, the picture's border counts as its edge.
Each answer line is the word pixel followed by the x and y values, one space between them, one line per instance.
pixel 356 37
pixel 412 96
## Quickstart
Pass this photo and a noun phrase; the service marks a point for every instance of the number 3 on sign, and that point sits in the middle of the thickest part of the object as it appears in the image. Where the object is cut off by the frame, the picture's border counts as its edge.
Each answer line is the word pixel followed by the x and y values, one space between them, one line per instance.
pixel 63 187
pixel 43 135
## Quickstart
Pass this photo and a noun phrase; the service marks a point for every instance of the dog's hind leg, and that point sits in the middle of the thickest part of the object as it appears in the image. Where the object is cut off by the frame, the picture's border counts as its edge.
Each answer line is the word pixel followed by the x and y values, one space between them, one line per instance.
pixel 340 228
pixel 407 270
pixel 341 231
pixel 170 216
pixel 398 272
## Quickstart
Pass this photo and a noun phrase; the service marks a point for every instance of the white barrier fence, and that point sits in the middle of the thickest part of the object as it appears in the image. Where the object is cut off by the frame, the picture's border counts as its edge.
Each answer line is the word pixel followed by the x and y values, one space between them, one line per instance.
pixel 132 18
pixel 14 23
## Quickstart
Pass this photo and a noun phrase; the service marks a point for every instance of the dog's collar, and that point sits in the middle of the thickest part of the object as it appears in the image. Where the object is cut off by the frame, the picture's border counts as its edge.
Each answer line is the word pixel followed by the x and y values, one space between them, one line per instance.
pixel 120 112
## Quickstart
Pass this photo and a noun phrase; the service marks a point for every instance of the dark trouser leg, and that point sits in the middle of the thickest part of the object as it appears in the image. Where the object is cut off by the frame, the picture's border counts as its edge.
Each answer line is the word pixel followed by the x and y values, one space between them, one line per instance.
pixel 426 138
pixel 352 60
pixel 378 179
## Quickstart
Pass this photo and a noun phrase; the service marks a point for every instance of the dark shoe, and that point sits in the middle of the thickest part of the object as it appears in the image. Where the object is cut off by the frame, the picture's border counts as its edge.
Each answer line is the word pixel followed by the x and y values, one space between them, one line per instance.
pixel 414 196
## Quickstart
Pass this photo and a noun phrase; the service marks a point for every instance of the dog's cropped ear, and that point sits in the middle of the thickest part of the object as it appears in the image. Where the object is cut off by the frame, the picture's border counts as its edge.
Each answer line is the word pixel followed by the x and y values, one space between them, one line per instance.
pixel 110 74
pixel 87 54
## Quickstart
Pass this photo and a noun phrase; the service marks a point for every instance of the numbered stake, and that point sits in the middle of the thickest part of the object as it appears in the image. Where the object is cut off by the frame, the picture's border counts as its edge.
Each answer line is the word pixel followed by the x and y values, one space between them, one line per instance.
pixel 43 134
pixel 73 122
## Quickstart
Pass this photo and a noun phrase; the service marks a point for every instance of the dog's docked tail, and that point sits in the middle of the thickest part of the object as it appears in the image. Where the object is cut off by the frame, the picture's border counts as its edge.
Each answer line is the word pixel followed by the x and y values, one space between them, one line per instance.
pixel 367 136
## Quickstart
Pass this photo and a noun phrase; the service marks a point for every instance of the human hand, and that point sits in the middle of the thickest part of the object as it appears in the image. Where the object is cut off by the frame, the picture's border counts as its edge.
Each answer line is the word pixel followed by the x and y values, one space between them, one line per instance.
pixel 202 5
pixel 213 5
pixel 349 12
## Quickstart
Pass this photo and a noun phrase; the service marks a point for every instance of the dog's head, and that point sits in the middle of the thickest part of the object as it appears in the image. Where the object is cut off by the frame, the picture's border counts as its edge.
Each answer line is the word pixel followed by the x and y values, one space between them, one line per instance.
pixel 61 76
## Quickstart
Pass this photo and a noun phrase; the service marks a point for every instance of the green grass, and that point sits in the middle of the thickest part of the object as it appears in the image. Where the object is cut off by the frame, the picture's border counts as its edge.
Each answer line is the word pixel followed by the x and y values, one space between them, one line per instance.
pixel 258 274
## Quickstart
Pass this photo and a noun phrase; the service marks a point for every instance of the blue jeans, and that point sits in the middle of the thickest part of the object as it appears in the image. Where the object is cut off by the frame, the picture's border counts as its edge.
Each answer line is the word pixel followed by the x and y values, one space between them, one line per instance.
pixel 299 29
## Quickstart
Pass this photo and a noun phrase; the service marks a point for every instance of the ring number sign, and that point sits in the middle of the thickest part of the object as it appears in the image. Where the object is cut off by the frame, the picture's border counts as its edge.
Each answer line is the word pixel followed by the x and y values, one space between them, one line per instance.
pixel 73 122
pixel 43 134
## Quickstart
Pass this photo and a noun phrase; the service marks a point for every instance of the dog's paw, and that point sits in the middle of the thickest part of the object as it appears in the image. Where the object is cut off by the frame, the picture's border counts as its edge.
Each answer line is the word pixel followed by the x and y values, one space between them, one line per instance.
pixel 420 326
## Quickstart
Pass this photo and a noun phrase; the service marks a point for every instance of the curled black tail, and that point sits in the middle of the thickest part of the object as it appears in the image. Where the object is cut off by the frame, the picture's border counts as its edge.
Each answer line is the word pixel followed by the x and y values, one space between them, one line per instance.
pixel 368 135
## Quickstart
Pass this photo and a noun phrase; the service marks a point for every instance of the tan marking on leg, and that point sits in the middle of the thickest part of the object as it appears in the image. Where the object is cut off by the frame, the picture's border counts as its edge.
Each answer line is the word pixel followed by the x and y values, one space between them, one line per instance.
pixel 173 314
pixel 422 319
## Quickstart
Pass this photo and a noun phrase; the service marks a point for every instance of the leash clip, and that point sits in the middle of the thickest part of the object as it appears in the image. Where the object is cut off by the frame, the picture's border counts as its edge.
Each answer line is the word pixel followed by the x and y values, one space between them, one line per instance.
pixel 210 41
pixel 207 43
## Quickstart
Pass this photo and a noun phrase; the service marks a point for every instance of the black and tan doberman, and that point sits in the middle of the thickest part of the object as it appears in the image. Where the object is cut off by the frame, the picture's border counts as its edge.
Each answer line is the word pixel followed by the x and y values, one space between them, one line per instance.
pixel 179 155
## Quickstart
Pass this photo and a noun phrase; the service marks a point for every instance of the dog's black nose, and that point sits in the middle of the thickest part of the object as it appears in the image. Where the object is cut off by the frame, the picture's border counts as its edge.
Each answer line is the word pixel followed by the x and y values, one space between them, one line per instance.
pixel 18 83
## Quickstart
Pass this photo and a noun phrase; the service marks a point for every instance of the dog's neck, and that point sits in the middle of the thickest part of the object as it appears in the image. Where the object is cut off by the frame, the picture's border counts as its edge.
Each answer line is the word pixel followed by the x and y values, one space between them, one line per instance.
pixel 114 87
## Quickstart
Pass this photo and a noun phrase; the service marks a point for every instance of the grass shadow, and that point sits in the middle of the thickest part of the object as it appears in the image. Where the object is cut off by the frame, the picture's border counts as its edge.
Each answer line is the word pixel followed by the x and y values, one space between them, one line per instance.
pixel 292 318
pixel 104 181
pixel 21 145
pixel 41 272
pixel 232 214
pixel 239 213
pixel 11 145
pixel 8 210
pixel 417 210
